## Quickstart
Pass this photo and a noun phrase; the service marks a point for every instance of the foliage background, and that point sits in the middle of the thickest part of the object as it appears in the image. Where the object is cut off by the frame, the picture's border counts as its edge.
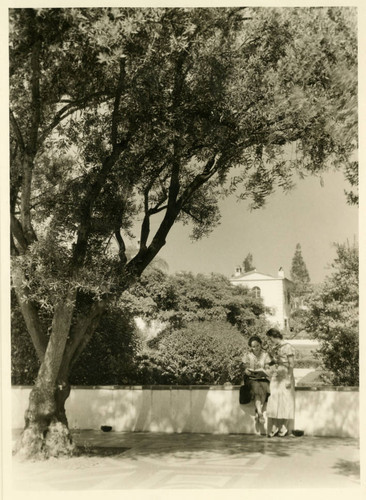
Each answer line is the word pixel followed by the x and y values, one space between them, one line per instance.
pixel 206 352
pixel 220 90
pixel 333 318
pixel 205 323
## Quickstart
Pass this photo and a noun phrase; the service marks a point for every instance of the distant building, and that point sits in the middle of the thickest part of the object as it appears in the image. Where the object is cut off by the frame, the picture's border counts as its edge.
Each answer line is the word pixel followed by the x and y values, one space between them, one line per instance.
pixel 275 292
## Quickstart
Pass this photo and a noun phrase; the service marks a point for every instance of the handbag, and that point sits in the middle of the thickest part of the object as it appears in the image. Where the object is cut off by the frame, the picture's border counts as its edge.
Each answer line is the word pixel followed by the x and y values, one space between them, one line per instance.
pixel 245 393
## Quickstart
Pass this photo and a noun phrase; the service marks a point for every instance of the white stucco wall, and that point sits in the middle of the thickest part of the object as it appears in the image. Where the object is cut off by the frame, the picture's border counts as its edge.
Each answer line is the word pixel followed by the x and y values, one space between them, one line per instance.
pixel 204 409
pixel 272 292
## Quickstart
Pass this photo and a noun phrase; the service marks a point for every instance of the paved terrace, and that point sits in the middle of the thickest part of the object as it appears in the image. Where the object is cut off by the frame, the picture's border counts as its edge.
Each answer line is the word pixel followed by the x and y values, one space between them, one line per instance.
pixel 160 461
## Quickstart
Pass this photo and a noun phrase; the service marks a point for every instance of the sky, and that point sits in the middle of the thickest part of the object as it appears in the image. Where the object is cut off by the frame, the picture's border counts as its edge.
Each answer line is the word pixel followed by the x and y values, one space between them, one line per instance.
pixel 314 215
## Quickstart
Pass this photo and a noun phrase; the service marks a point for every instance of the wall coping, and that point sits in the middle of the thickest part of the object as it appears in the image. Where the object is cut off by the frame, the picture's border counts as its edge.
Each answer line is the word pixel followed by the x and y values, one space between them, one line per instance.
pixel 196 387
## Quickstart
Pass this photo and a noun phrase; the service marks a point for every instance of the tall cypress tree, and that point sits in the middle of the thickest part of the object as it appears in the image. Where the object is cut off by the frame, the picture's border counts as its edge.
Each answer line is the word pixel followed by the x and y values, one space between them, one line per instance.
pixel 299 276
pixel 248 263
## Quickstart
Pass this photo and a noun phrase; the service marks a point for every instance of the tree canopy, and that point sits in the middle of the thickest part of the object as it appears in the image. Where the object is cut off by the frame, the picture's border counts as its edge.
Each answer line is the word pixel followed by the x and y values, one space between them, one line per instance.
pixel 184 297
pixel 333 317
pixel 122 115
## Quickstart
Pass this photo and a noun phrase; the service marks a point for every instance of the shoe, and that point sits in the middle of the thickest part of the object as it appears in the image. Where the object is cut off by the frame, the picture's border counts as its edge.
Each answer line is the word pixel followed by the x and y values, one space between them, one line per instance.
pixel 273 432
pixel 283 432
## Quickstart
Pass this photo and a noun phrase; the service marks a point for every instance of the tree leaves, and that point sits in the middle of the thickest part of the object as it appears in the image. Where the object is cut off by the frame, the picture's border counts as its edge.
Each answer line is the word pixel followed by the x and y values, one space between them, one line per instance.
pixel 333 317
pixel 118 114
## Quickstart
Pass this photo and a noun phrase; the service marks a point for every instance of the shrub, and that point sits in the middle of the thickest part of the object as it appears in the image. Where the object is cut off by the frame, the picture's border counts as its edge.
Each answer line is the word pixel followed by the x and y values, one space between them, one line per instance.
pixel 305 357
pixel 200 353
pixel 108 359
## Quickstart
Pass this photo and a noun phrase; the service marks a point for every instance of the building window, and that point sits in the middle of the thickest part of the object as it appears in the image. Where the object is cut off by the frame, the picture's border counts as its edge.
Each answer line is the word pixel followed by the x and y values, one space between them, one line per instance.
pixel 256 291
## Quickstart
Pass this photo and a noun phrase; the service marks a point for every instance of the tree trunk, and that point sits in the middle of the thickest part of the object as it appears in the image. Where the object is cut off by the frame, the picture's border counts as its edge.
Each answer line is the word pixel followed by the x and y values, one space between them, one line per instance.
pixel 62 393
pixel 46 433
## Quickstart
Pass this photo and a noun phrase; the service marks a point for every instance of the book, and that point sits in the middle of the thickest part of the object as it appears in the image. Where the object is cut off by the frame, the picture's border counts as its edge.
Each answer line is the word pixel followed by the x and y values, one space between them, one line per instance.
pixel 258 374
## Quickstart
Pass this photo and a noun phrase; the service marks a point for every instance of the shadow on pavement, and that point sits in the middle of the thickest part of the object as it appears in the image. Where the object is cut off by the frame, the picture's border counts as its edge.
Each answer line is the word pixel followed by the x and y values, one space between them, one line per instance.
pixel 187 445
pixel 348 468
pixel 120 461
pixel 99 451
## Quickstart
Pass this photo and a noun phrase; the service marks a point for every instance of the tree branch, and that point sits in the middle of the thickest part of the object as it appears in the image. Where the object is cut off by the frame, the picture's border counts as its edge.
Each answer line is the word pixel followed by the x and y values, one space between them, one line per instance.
pixel 158 208
pixel 82 332
pixel 31 146
pixel 17 131
pixel 14 252
pixel 145 226
pixel 17 232
pixel 191 215
pixel 30 313
pixel 147 254
pixel 117 101
pixel 36 97
pixel 209 170
pixel 85 226
pixel 121 246
pixel 25 205
pixel 68 110
pixel 80 247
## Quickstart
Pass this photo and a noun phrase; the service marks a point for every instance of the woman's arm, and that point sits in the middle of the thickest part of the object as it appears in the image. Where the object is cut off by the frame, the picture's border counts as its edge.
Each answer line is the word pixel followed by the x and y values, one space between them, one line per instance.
pixel 246 363
pixel 247 371
pixel 291 364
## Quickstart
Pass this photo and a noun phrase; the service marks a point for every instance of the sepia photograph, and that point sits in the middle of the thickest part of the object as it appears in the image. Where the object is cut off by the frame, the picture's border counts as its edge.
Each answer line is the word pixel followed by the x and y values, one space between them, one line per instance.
pixel 180 249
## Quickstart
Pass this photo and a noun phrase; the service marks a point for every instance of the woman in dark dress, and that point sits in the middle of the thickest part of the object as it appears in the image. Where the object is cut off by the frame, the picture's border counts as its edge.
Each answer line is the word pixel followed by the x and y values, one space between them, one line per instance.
pixel 257 359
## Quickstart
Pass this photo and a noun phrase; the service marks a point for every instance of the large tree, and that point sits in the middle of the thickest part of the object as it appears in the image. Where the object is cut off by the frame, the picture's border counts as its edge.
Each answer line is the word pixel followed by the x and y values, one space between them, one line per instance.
pixel 300 277
pixel 300 291
pixel 333 318
pixel 248 263
pixel 118 115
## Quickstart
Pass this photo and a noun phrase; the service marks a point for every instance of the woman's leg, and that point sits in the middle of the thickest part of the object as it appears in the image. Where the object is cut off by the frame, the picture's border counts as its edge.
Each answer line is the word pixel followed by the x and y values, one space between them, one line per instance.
pixel 260 389
pixel 283 426
pixel 273 430
pixel 259 408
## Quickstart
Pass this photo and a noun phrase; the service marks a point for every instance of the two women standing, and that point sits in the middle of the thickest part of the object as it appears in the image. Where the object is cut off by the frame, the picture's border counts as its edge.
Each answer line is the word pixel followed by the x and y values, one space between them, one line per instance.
pixel 272 372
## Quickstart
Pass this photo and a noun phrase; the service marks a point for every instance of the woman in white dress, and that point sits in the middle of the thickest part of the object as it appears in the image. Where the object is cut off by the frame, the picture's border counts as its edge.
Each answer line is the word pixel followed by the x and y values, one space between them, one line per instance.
pixel 281 403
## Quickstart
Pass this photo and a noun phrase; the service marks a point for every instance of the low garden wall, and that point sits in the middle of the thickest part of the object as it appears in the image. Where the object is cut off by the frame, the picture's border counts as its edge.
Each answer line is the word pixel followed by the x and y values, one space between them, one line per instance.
pixel 322 411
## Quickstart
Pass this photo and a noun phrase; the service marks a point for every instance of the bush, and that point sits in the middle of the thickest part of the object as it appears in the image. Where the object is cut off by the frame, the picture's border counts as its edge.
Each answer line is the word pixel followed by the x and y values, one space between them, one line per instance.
pixel 200 353
pixel 108 359
pixel 307 362
pixel 305 357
